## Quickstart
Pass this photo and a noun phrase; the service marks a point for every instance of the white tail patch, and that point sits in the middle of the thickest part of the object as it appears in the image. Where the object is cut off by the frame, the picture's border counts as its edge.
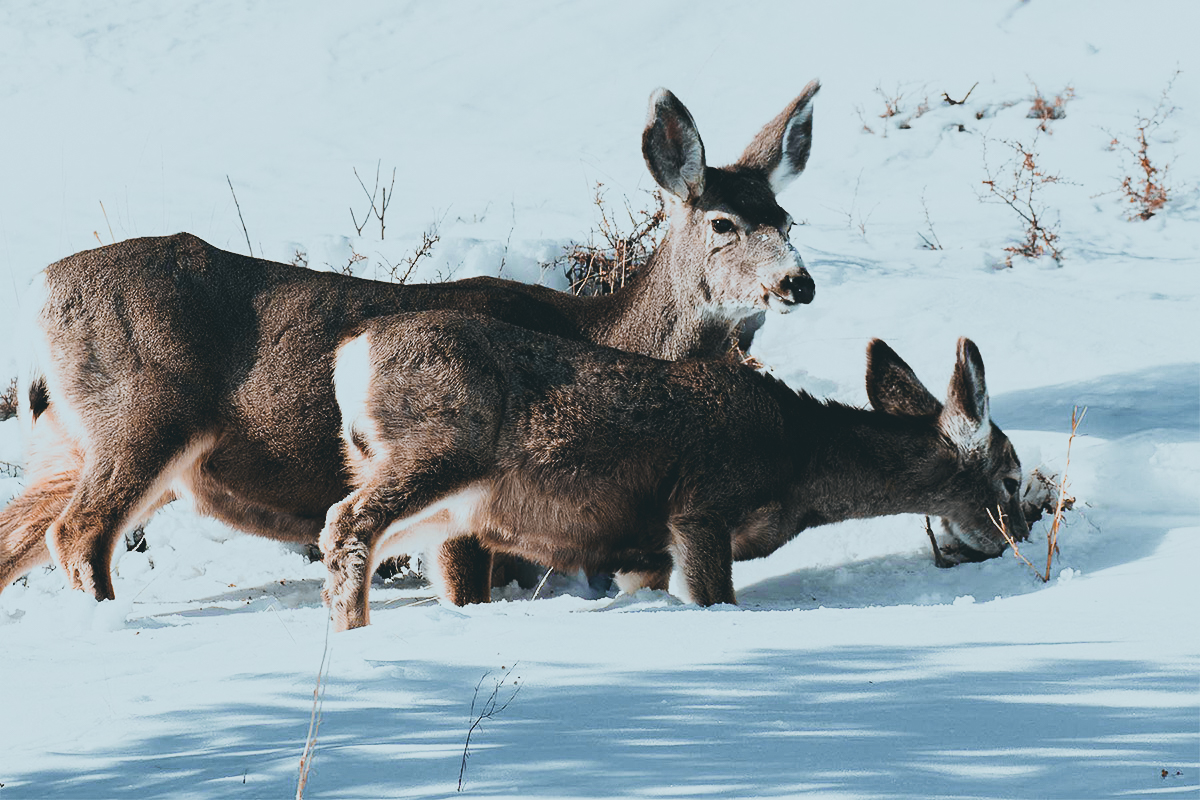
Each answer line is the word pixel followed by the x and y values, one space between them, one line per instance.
pixel 351 388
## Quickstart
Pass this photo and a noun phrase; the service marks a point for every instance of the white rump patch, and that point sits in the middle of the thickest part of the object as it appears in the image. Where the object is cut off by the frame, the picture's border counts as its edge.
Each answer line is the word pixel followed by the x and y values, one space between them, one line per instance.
pixel 351 385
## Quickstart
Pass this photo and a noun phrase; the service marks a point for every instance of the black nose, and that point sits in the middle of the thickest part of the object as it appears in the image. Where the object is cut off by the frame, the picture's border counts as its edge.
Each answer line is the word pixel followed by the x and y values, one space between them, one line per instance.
pixel 800 288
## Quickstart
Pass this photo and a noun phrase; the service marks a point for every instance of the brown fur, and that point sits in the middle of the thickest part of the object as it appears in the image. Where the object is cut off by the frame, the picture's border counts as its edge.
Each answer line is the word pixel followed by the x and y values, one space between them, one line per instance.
pixel 179 364
pixel 581 457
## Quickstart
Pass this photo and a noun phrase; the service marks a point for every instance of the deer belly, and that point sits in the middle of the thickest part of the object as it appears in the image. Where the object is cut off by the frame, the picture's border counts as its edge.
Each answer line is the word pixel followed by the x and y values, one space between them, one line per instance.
pixel 569 531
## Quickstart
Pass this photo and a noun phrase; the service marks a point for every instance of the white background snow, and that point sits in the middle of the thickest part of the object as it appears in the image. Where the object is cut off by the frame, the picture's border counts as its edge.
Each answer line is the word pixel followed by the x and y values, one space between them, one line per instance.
pixel 853 668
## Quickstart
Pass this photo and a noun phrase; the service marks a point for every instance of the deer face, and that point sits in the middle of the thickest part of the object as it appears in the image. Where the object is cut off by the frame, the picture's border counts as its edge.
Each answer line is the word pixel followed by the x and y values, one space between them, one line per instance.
pixel 984 496
pixel 739 234
pixel 726 221
pixel 974 482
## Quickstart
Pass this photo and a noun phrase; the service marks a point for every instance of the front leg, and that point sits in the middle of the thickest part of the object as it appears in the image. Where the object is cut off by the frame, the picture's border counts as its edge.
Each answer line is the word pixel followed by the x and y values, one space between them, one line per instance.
pixel 703 548
pixel 347 543
pixel 466 570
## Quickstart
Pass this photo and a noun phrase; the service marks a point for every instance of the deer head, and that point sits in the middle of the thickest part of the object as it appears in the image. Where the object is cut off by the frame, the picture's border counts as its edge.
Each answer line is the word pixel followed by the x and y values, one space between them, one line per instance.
pixel 725 220
pixel 975 475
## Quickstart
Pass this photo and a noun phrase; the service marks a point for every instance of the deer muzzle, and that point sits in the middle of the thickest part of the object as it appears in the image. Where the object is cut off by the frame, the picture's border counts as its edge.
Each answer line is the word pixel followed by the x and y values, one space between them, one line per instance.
pixel 798 288
pixel 792 289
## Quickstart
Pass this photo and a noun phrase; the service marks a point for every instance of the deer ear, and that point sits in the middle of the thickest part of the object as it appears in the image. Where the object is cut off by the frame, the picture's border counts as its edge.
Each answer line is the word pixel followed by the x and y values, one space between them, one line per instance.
pixel 780 151
pixel 893 387
pixel 967 397
pixel 672 148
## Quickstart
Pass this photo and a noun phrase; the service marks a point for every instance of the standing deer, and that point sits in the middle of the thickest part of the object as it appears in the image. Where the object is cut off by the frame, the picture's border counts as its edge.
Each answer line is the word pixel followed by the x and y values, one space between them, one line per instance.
pixel 468 432
pixel 170 365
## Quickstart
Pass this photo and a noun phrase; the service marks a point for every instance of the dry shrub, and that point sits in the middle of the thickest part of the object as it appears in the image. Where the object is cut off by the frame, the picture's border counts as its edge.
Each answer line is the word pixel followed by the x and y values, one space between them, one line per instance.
pixel 1147 190
pixel 1021 191
pixel 299 258
pixel 1047 110
pixel 611 255
pixel 8 401
pixel 893 107
pixel 402 271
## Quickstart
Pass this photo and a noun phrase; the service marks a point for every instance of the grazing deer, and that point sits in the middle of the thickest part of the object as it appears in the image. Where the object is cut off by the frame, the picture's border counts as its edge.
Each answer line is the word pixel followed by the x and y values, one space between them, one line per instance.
pixel 469 433
pixel 171 365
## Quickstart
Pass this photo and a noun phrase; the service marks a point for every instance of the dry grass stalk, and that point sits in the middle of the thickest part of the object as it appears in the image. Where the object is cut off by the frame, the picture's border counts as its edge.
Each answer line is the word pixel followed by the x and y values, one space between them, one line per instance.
pixel 1022 193
pixel 314 720
pixel 744 358
pixel 998 521
pixel 1063 503
pixel 602 268
pixel 240 218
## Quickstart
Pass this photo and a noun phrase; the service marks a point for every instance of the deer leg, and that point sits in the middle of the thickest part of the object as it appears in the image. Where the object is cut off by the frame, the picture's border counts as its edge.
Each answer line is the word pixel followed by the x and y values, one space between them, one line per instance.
pixel 466 567
pixel 25 520
pixel 115 490
pixel 703 548
pixel 347 543
pixel 355 526
pixel 630 582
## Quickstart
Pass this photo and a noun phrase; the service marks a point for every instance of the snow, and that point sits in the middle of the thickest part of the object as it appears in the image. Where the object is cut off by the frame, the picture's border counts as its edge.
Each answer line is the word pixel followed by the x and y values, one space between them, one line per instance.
pixel 852 668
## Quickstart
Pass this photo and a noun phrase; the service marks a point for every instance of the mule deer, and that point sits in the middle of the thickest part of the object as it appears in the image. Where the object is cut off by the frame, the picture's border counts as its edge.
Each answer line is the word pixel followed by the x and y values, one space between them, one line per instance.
pixel 471 433
pixel 173 365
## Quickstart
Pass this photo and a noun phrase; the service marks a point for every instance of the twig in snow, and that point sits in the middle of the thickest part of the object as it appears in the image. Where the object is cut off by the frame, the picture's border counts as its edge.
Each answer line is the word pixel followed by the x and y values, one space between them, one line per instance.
pixel 939 560
pixel 488 710
pixel 239 210
pixel 929 245
pixel 542 582
pixel 950 102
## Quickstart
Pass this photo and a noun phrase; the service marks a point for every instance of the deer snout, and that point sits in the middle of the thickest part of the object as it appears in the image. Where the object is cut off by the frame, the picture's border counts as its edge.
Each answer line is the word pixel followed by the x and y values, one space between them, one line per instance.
pixel 798 288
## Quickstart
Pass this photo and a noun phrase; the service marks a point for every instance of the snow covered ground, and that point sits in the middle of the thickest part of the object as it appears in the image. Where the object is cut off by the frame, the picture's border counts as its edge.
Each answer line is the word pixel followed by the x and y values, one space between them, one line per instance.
pixel 853 668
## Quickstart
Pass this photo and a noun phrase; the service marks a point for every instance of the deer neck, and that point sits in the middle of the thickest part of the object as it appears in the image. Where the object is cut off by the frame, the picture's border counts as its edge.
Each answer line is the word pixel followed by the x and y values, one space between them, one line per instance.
pixel 666 309
pixel 854 463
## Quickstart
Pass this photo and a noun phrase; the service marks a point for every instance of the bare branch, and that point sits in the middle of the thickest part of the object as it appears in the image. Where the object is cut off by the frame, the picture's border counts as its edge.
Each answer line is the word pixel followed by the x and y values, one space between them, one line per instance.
pixel 950 102
pixel 239 210
pixel 488 710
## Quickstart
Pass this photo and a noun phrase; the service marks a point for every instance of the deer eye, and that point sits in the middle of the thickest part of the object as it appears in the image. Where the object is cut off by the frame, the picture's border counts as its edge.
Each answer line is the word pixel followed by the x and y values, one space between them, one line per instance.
pixel 722 225
pixel 1011 485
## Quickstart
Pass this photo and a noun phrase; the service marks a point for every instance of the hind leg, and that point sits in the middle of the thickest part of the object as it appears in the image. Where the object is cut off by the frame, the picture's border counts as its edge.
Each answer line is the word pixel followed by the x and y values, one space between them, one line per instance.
pixel 25 520
pixel 117 488
pixel 356 526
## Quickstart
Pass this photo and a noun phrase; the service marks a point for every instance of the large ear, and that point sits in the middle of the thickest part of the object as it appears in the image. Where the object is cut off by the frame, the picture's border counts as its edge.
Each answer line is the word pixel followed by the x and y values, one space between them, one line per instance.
pixel 893 387
pixel 672 147
pixel 967 398
pixel 780 151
